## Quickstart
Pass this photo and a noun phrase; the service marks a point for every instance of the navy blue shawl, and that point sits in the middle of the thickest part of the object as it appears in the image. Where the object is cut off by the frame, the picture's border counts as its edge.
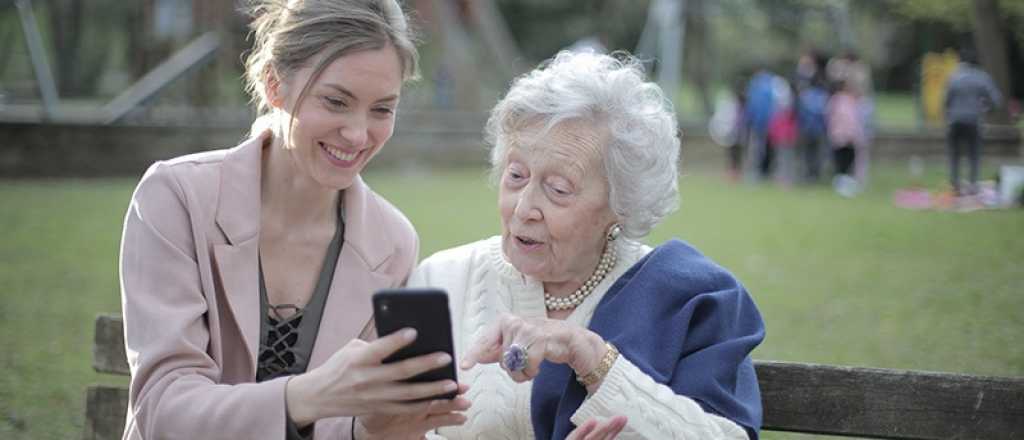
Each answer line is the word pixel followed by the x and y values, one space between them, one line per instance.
pixel 683 320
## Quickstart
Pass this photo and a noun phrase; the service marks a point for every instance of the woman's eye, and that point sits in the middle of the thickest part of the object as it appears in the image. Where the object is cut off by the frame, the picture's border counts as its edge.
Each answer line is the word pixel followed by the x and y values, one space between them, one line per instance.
pixel 383 111
pixel 560 191
pixel 515 176
pixel 334 102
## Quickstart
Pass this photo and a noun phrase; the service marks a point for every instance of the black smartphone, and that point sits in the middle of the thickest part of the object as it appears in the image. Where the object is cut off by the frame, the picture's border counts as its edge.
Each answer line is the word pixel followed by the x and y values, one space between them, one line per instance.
pixel 425 310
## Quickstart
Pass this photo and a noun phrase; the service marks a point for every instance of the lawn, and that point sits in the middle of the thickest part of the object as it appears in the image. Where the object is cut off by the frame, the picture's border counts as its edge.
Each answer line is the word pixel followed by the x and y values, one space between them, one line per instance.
pixel 842 281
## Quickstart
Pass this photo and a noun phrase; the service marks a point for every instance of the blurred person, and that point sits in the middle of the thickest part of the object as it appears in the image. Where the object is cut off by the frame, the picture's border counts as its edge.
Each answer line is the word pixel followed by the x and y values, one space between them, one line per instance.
pixel 970 93
pixel 728 128
pixel 565 317
pixel 850 72
pixel 758 114
pixel 846 135
pixel 246 273
pixel 782 136
pixel 811 110
pixel 849 69
pixel 810 66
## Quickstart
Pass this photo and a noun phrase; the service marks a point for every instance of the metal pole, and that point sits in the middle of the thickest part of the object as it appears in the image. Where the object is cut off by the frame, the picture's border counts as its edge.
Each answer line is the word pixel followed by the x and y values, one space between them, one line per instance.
pixel 47 89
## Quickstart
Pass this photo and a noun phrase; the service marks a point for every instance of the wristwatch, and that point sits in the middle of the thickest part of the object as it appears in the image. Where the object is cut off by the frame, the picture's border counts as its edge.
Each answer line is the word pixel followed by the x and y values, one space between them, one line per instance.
pixel 605 365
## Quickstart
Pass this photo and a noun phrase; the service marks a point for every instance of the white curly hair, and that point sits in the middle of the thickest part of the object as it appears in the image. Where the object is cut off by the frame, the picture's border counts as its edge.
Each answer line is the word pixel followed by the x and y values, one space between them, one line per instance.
pixel 610 93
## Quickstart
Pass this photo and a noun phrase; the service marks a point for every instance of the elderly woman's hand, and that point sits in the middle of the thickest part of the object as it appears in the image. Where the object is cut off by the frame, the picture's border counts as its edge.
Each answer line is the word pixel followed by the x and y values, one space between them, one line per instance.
pixel 355 382
pixel 542 339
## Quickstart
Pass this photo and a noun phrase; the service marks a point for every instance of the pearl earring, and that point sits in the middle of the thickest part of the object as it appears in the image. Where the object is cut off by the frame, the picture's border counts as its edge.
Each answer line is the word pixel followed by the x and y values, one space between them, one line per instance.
pixel 614 232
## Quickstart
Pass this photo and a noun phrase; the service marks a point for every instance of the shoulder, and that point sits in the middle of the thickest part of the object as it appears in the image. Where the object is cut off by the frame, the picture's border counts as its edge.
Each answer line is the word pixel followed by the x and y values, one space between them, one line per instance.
pixel 378 231
pixel 180 182
pixel 460 261
pixel 390 217
pixel 679 267
pixel 470 254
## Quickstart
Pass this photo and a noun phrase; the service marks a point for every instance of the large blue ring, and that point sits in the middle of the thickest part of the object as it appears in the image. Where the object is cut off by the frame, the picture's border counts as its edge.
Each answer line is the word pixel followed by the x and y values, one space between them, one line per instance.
pixel 514 359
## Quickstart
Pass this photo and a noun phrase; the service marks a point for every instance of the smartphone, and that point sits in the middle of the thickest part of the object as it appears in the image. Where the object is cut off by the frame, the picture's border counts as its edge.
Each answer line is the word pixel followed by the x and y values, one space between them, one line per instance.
pixel 425 310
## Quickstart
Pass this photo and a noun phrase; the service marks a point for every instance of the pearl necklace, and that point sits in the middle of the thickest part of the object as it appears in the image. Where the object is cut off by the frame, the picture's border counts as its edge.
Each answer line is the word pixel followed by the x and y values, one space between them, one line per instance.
pixel 606 264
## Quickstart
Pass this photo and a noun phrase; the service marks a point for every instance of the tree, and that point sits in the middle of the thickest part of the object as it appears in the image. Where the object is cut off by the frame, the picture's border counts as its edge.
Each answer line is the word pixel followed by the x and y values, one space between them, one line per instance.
pixel 988 22
pixel 991 44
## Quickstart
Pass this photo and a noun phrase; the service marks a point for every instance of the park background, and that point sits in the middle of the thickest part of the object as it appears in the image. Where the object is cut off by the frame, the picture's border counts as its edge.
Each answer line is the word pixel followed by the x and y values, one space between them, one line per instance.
pixel 840 281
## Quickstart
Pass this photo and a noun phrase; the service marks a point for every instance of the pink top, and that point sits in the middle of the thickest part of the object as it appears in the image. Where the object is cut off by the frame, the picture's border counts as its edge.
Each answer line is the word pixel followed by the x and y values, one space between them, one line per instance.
pixel 782 130
pixel 844 121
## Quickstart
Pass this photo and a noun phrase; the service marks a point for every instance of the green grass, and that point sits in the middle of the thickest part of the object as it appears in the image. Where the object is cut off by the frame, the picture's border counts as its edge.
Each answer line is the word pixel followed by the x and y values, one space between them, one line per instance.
pixel 854 282
pixel 895 110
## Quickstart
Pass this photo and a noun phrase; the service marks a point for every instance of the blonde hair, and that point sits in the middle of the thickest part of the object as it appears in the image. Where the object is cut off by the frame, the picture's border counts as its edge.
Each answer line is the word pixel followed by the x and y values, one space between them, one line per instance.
pixel 289 35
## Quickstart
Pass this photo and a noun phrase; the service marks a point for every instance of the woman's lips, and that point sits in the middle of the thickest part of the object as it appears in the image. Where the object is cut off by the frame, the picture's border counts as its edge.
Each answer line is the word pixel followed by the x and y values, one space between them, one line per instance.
pixel 338 157
pixel 527 243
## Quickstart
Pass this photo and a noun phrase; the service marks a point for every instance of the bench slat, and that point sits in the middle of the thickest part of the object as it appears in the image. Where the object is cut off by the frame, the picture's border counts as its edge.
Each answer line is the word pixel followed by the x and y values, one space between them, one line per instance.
pixel 108 346
pixel 821 399
pixel 105 408
pixel 871 402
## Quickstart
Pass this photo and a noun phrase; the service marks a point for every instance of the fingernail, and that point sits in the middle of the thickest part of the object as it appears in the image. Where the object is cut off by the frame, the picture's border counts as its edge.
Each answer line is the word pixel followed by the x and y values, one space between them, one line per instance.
pixel 452 386
pixel 465 365
pixel 409 334
pixel 444 359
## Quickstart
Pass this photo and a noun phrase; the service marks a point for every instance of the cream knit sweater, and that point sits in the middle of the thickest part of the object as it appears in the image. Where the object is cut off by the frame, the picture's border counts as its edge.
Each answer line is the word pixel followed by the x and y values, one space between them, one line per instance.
pixel 481 286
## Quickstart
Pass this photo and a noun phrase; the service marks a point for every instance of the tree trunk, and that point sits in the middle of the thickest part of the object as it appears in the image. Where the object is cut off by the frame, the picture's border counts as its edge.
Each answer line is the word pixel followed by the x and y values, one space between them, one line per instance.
pixel 65 25
pixel 700 58
pixel 990 40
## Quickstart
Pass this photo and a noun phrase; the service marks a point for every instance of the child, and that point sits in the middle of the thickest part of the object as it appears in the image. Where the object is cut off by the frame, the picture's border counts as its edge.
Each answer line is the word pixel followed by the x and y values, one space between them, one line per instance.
pixel 846 134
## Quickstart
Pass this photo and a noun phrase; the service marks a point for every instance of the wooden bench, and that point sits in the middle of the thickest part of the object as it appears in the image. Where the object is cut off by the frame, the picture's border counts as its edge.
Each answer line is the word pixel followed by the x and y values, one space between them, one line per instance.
pixel 807 398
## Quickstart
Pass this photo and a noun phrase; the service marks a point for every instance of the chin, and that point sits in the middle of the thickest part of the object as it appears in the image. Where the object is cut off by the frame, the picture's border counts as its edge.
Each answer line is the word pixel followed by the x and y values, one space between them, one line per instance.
pixel 526 266
pixel 335 181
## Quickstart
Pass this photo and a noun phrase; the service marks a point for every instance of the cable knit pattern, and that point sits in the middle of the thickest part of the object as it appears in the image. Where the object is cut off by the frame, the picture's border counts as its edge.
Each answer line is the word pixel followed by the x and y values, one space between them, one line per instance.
pixel 653 409
pixel 481 286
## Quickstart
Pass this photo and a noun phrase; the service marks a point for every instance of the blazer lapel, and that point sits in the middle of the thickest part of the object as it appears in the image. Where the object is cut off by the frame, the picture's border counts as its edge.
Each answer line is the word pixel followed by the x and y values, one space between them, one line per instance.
pixel 237 261
pixel 357 276
pixel 237 266
pixel 348 307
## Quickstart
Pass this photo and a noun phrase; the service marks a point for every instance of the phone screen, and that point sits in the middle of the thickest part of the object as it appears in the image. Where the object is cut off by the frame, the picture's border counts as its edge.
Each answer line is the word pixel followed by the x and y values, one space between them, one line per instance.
pixel 425 310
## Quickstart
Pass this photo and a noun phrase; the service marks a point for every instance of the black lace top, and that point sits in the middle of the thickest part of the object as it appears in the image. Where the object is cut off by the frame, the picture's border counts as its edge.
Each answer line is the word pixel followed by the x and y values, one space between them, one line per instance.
pixel 288 332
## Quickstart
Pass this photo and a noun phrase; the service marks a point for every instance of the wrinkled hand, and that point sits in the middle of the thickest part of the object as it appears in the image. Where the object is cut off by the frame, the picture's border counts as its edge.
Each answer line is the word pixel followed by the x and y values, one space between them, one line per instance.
pixel 356 382
pixel 414 426
pixel 595 430
pixel 543 339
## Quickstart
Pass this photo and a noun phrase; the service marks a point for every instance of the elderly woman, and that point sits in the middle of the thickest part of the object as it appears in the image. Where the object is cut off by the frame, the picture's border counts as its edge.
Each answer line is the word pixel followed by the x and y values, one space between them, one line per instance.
pixel 565 318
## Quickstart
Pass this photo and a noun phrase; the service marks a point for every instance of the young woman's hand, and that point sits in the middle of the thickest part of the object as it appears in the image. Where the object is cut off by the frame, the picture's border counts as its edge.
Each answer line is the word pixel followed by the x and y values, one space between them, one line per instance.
pixel 356 382
pixel 439 413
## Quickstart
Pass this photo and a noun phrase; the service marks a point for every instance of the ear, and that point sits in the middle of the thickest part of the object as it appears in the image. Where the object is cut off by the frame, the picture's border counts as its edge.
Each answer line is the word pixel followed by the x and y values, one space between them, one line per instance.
pixel 273 88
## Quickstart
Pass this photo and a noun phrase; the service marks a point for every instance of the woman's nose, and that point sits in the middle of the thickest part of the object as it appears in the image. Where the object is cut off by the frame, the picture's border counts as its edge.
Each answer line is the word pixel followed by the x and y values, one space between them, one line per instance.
pixel 354 132
pixel 527 206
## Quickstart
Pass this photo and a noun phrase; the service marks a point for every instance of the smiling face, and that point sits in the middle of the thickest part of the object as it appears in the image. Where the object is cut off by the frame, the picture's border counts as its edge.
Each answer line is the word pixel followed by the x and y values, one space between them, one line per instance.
pixel 553 199
pixel 345 117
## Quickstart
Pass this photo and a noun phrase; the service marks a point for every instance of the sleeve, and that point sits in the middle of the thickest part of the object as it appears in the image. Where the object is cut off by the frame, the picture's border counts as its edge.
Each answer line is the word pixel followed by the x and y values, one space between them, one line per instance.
pixel 994 96
pixel 947 95
pixel 176 389
pixel 654 411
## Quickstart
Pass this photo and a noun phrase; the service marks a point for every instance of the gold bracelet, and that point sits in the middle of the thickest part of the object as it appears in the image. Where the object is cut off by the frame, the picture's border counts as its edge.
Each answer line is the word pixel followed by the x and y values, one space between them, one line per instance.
pixel 598 374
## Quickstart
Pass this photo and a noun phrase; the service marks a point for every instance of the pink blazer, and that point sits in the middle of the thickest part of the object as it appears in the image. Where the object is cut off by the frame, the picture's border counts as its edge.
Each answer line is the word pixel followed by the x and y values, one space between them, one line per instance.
pixel 190 296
